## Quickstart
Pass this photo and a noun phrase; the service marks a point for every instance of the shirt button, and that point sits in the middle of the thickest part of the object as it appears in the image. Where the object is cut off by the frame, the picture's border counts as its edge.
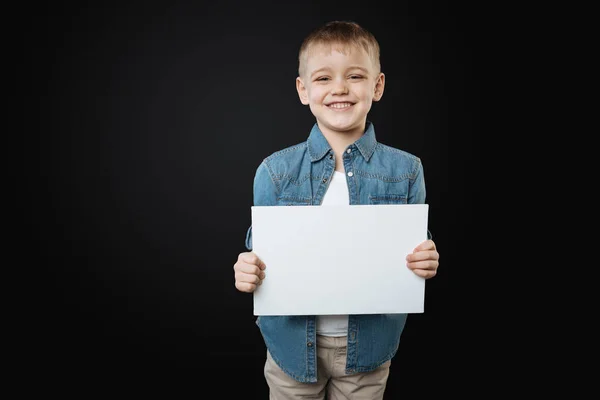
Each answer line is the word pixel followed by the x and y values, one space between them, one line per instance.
pixel 330 156
pixel 309 344
pixel 324 180
pixel 349 151
pixel 350 173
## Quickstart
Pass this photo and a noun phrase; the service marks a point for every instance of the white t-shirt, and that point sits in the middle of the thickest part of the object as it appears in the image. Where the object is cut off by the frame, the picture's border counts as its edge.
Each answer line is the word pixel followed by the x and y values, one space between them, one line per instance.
pixel 336 195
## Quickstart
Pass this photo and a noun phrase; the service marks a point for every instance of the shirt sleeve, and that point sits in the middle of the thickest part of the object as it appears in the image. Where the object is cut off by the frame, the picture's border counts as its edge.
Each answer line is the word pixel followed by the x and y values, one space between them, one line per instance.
pixel 265 193
pixel 417 192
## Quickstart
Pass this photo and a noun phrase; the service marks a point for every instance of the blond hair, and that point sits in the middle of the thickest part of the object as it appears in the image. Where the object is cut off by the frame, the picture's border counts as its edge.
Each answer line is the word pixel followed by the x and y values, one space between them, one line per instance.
pixel 340 35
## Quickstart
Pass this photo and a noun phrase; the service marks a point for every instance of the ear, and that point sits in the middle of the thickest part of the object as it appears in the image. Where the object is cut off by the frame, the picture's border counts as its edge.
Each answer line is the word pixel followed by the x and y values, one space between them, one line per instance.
pixel 379 86
pixel 302 93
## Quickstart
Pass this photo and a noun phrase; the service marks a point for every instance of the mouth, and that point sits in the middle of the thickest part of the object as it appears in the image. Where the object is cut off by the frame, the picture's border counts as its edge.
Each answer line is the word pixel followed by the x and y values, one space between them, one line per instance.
pixel 340 105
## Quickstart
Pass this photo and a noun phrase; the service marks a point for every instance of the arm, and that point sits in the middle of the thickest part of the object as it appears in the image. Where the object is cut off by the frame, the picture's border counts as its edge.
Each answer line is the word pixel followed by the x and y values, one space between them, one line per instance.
pixel 265 194
pixel 249 268
pixel 424 260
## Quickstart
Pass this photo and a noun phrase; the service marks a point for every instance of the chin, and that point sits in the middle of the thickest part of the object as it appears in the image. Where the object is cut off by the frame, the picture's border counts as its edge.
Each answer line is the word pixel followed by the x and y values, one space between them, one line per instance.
pixel 343 125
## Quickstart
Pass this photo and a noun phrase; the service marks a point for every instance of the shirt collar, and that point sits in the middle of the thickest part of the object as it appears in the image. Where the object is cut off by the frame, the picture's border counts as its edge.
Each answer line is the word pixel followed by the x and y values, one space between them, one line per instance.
pixel 318 145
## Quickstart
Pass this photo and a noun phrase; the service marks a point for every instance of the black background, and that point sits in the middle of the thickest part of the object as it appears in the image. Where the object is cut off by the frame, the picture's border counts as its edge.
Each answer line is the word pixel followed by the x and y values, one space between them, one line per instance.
pixel 147 124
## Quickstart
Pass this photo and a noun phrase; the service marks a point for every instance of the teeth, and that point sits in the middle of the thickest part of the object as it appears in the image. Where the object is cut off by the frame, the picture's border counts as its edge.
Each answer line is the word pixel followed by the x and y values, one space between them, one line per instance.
pixel 340 105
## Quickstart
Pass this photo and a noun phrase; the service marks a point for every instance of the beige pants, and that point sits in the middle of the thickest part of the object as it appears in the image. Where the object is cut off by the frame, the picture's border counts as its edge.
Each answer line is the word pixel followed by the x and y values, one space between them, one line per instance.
pixel 333 383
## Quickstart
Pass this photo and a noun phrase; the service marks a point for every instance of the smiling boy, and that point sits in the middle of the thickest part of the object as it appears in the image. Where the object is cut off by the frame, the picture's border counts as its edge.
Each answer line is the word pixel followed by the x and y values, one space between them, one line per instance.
pixel 339 81
pixel 340 163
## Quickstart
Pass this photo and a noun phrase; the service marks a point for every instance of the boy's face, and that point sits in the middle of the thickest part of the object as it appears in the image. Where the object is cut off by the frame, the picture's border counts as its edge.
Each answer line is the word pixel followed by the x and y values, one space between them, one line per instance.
pixel 340 88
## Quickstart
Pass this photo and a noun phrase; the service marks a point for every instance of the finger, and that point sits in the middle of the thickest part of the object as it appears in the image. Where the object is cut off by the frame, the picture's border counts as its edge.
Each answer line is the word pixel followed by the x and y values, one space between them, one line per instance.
pixel 246 268
pixel 252 258
pixel 426 245
pixel 248 278
pixel 261 264
pixel 245 287
pixel 423 265
pixel 249 270
pixel 423 255
pixel 248 257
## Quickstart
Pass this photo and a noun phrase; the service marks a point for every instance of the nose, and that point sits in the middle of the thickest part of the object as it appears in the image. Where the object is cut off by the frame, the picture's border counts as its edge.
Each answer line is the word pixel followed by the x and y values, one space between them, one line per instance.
pixel 339 87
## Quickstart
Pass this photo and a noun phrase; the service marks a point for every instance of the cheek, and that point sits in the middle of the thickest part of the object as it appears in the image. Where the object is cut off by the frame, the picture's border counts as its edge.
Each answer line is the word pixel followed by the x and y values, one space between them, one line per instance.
pixel 365 96
pixel 365 92
pixel 317 93
pixel 316 89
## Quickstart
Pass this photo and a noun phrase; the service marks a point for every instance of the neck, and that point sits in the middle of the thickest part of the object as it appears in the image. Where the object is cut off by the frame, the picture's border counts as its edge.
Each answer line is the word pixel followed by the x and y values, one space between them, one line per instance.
pixel 339 142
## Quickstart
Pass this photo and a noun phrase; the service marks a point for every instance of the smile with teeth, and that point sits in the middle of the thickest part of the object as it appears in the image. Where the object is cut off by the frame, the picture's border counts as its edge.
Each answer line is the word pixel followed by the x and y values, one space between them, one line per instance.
pixel 339 106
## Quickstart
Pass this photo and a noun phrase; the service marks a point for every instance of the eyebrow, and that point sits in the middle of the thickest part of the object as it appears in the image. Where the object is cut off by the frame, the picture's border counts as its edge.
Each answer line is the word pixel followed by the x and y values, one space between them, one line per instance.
pixel 349 68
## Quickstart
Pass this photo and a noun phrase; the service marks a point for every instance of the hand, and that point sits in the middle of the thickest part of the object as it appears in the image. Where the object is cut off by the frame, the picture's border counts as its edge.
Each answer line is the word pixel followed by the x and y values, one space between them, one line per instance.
pixel 424 260
pixel 249 272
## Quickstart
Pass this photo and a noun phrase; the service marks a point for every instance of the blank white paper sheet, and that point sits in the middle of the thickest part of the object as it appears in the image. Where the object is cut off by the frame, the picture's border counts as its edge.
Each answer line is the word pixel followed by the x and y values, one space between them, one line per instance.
pixel 324 260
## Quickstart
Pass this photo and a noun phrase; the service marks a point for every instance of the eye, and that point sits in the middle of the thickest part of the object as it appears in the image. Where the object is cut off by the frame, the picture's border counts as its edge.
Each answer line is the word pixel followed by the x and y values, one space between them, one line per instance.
pixel 322 78
pixel 356 76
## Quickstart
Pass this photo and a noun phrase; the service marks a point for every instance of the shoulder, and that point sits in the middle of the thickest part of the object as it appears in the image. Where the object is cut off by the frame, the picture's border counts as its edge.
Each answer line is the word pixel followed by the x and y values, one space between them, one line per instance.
pixel 289 151
pixel 286 155
pixel 401 159
pixel 394 152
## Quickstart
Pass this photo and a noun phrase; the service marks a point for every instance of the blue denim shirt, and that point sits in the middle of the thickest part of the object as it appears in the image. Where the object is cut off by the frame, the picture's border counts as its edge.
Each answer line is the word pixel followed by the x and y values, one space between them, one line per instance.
pixel 299 175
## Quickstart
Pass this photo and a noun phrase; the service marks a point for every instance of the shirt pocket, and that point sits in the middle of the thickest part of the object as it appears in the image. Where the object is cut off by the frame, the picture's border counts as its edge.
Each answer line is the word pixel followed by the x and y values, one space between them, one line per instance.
pixel 294 201
pixel 387 199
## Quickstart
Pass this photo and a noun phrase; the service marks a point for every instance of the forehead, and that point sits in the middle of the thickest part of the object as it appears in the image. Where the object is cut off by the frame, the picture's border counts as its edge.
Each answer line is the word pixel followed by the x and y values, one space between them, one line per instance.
pixel 325 49
pixel 319 53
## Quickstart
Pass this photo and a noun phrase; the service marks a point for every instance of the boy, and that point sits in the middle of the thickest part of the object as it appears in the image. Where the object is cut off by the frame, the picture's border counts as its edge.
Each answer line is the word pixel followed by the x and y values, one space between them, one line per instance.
pixel 341 163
